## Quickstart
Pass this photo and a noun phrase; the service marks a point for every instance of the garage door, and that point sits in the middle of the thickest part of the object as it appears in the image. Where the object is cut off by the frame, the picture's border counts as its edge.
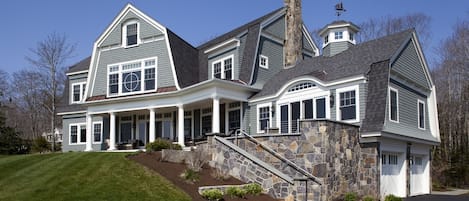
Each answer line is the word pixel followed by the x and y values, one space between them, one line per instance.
pixel 419 177
pixel 393 174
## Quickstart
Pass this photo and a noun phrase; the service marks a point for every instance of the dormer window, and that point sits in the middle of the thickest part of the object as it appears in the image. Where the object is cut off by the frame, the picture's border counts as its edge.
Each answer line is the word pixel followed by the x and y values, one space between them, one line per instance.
pixel 78 92
pixel 338 35
pixel 130 34
pixel 264 61
pixel 223 68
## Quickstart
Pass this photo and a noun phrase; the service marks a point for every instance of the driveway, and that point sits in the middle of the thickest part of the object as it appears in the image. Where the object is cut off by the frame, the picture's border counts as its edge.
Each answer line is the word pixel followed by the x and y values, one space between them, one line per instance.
pixel 438 198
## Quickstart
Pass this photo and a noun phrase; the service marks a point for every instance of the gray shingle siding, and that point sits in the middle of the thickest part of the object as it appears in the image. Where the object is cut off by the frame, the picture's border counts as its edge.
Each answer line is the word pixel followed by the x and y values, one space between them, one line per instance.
pixel 408 115
pixel 363 88
pixel 336 47
pixel 277 28
pixel 409 66
pixel 274 52
pixel 81 119
pixel 146 30
pixel 146 50
pixel 306 45
pixel 221 55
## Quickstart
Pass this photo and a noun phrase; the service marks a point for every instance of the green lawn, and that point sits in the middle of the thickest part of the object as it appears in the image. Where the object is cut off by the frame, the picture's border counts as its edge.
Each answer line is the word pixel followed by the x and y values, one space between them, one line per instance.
pixel 81 176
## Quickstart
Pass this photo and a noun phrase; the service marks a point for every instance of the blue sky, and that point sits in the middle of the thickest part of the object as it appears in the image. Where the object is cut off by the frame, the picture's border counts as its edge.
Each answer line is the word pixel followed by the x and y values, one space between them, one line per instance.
pixel 27 22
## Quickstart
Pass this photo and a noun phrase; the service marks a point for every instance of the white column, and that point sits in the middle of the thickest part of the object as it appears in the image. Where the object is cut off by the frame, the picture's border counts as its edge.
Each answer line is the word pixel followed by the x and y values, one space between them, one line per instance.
pixel 181 125
pixel 152 125
pixel 89 122
pixel 216 115
pixel 112 131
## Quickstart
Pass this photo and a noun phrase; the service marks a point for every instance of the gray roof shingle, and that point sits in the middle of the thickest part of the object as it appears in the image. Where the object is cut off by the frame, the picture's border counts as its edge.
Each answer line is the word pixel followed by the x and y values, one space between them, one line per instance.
pixel 185 58
pixel 80 66
pixel 354 61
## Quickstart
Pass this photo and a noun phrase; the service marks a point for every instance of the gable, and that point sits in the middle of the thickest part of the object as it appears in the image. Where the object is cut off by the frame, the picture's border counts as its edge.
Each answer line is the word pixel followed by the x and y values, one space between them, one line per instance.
pixel 409 66
pixel 276 28
pixel 147 31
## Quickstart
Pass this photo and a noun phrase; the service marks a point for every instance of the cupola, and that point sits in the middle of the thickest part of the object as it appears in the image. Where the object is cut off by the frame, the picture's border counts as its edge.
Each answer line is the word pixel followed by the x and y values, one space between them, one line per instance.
pixel 337 37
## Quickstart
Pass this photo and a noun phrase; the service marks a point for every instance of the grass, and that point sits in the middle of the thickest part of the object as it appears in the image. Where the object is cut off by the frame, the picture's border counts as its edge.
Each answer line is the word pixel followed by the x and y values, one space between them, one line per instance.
pixel 81 176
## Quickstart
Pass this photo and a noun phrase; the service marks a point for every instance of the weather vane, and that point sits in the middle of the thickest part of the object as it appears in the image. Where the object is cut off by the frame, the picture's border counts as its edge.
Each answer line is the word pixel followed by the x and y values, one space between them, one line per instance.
pixel 339 8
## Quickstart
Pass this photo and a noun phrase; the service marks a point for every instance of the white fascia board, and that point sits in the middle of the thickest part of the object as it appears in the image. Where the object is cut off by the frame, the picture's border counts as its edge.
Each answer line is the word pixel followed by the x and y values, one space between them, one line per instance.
pixel 433 114
pixel 310 40
pixel 227 44
pixel 171 60
pixel 78 72
pixel 69 113
pixel 273 18
pixel 422 59
pixel 313 79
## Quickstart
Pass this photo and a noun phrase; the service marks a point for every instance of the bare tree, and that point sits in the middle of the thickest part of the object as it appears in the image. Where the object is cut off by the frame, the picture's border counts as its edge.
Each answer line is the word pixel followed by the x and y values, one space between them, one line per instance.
pixel 49 56
pixel 3 85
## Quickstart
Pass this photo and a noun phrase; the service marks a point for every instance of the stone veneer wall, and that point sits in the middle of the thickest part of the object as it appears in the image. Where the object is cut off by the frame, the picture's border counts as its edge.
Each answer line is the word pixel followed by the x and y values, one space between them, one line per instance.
pixel 329 150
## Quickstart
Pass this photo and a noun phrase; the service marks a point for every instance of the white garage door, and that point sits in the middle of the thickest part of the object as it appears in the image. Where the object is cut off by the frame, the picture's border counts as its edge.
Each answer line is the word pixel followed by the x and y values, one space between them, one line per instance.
pixel 419 178
pixel 393 174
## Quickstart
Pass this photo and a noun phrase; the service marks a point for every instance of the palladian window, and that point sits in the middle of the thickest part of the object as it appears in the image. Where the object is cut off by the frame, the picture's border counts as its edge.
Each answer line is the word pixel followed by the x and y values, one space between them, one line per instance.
pixel 132 77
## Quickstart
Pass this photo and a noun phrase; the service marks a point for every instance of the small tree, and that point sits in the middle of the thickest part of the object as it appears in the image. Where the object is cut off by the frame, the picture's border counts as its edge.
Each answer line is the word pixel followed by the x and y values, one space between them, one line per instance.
pixel 50 55
pixel 41 145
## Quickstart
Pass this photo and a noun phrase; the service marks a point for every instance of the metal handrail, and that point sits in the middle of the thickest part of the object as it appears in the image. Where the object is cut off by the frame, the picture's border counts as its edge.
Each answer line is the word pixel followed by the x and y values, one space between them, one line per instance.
pixel 273 152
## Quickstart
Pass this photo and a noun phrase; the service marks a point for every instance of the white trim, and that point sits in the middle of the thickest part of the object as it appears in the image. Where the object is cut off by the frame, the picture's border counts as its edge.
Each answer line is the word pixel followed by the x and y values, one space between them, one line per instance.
pixel 76 73
pixel 310 40
pixel 121 71
pixel 355 88
pixel 266 65
pixel 418 115
pixel 78 125
pixel 313 79
pixel 82 93
pixel 433 114
pixel 101 134
pixel 397 102
pixel 269 105
pixel 124 34
pixel 231 43
pixel 222 67
pixel 73 112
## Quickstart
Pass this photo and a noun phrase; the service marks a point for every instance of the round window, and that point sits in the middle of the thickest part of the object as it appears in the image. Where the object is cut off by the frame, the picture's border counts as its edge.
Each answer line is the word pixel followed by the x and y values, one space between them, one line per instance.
pixel 131 81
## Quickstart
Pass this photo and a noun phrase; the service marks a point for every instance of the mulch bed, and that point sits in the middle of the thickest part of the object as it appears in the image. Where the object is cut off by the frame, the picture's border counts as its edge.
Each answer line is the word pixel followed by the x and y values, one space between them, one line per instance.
pixel 172 172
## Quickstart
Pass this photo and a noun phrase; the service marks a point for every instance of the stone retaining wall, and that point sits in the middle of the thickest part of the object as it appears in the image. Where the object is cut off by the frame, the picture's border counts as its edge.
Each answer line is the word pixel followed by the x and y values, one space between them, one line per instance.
pixel 329 150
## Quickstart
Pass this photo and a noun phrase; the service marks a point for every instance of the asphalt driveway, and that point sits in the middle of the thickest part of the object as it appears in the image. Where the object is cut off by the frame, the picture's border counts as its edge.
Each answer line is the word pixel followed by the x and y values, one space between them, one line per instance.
pixel 438 198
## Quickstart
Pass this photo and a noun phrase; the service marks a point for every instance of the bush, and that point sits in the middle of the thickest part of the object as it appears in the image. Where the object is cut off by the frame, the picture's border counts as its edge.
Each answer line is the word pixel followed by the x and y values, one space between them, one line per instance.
pixel 253 189
pixel 160 144
pixel 392 197
pixel 197 159
pixel 368 198
pixel 41 145
pixel 212 194
pixel 11 143
pixel 236 192
pixel 190 176
pixel 350 196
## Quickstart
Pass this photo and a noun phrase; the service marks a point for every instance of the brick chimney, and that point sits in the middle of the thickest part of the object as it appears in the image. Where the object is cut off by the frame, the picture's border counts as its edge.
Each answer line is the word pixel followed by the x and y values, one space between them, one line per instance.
pixel 293 37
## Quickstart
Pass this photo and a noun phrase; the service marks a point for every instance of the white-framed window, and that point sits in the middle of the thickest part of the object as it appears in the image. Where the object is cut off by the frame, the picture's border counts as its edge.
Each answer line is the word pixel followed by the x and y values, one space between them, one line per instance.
pixel 263 117
pixel 223 68
pixel 77 133
pixel 393 105
pixel 351 37
pixel 206 120
pixel 326 39
pixel 301 86
pixel 130 33
pixel 133 77
pixel 77 92
pixel 393 159
pixel 347 101
pixel 97 132
pixel 421 114
pixel 264 61
pixel 338 35
pixel 234 116
pixel 418 160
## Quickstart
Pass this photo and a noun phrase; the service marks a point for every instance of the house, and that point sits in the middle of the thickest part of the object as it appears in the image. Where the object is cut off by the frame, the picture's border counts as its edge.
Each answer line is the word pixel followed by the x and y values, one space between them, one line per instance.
pixel 58 136
pixel 144 82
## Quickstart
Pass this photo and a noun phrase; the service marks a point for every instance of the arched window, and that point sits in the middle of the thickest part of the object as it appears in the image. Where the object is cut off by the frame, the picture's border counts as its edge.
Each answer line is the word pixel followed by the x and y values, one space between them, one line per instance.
pixel 302 86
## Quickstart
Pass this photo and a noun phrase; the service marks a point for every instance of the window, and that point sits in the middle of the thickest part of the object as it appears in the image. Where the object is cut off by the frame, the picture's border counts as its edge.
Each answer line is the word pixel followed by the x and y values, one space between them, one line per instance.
pixel 383 159
pixel 97 132
pixel 264 61
pixel 132 77
pixel 326 39
pixel 392 159
pixel 347 105
pixel 78 92
pixel 417 160
pixel 393 105
pixel 234 121
pixel 338 35
pixel 264 118
pixel 321 108
pixel 308 109
pixel 350 36
pixel 77 133
pixel 421 114
pixel 206 124
pixel 223 69
pixel 131 34
pixel 301 86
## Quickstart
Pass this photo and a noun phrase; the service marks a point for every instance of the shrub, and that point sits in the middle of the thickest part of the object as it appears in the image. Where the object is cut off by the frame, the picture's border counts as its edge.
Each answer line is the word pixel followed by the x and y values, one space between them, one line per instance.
pixel 212 194
pixel 197 159
pixel 368 198
pixel 392 197
pixel 253 189
pixel 41 145
pixel 190 176
pixel 236 192
pixel 350 196
pixel 160 144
